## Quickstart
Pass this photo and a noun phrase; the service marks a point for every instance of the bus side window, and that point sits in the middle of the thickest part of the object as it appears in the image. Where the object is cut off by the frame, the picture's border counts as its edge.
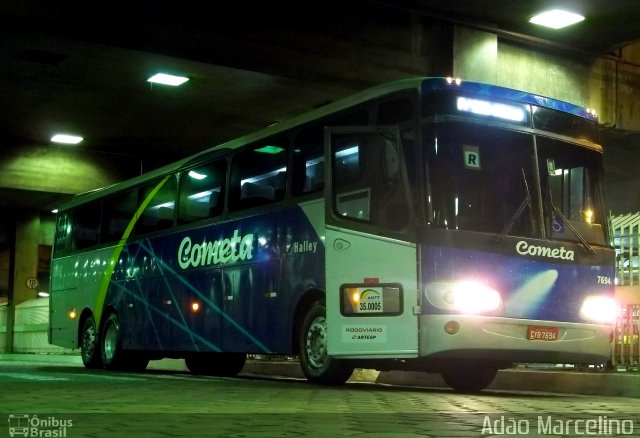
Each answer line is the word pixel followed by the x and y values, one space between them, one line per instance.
pixel 86 220
pixel 308 158
pixel 367 179
pixel 118 213
pixel 202 192
pixel 258 175
pixel 352 193
pixel 308 161
pixel 159 213
pixel 63 230
pixel 401 111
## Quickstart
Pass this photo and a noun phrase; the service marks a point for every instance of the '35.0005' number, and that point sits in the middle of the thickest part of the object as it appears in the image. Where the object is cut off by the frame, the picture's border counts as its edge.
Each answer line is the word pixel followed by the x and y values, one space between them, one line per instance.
pixel 370 307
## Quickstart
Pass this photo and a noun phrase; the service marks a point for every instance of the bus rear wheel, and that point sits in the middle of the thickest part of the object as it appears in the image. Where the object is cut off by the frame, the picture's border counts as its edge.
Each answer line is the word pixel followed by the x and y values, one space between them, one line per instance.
pixel 113 356
pixel 317 365
pixel 90 345
pixel 216 364
pixel 469 378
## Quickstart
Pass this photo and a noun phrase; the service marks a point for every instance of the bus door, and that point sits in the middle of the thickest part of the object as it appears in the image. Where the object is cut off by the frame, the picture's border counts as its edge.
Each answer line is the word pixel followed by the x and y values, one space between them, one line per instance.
pixel 371 270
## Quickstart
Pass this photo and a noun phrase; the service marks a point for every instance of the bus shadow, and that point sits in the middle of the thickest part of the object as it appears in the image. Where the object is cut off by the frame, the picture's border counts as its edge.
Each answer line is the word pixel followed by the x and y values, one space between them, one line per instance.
pixel 297 382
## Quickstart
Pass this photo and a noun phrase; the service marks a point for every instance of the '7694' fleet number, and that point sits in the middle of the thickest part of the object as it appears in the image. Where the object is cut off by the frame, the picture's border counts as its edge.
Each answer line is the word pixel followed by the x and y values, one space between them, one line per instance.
pixel 604 280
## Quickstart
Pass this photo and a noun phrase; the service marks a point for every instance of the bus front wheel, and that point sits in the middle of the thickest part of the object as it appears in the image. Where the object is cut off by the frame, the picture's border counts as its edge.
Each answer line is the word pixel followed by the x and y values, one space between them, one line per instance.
pixel 317 365
pixel 469 378
pixel 90 345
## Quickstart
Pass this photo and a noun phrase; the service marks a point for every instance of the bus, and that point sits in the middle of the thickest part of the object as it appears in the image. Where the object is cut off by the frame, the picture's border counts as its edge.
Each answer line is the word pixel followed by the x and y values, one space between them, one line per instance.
pixel 426 224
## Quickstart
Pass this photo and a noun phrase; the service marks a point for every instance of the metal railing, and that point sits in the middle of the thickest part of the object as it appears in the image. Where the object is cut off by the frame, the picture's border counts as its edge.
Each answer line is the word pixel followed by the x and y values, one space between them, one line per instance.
pixel 625 348
pixel 625 230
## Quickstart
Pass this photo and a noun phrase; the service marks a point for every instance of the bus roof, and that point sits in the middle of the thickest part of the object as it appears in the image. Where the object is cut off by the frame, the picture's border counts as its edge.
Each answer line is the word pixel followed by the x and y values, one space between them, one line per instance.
pixel 498 92
pixel 424 84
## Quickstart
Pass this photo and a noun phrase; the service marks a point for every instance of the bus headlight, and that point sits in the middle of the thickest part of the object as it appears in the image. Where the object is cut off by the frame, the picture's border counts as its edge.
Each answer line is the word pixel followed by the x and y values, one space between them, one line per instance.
pixel 464 296
pixel 598 308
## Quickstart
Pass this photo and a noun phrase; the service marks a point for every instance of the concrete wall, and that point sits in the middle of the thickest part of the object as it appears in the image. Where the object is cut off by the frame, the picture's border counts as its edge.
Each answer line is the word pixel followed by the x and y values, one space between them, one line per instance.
pixel 627 91
pixel 475 55
pixel 30 329
pixel 544 73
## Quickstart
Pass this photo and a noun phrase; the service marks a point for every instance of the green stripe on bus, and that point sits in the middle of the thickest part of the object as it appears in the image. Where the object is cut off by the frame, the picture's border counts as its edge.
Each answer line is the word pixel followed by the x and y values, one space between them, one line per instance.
pixel 106 279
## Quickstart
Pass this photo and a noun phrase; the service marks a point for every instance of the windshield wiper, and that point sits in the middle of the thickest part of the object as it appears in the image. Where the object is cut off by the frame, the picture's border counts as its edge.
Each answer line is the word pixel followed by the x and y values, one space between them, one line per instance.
pixel 525 203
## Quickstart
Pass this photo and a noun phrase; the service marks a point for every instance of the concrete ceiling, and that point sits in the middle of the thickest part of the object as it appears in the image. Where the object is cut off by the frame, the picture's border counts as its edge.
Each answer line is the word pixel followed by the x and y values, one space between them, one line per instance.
pixel 609 24
pixel 82 67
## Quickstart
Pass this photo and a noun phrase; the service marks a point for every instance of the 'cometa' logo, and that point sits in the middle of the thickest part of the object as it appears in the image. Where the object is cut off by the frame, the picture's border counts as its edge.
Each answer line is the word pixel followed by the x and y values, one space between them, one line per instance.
pixel 220 251
pixel 523 248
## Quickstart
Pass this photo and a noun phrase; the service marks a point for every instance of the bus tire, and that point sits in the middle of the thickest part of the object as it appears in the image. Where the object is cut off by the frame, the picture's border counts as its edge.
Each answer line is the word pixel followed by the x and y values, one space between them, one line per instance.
pixel 90 344
pixel 113 356
pixel 317 366
pixel 215 364
pixel 469 378
pixel 111 342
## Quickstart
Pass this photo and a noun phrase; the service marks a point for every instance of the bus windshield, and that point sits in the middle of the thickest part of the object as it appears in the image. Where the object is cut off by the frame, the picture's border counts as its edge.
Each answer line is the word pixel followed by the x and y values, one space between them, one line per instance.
pixel 479 177
pixel 570 177
pixel 482 179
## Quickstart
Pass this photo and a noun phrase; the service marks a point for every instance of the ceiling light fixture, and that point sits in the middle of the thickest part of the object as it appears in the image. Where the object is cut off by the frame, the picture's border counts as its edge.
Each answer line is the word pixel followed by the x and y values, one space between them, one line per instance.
pixel 66 139
pixel 556 19
pixel 165 79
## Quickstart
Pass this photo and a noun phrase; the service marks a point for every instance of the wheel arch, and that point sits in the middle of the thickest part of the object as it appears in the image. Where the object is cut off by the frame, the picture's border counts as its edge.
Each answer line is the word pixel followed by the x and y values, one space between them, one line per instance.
pixel 108 310
pixel 304 304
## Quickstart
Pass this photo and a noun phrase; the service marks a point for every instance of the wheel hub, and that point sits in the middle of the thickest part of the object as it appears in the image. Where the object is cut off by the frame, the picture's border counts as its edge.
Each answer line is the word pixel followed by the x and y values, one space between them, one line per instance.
pixel 317 343
pixel 89 342
pixel 110 340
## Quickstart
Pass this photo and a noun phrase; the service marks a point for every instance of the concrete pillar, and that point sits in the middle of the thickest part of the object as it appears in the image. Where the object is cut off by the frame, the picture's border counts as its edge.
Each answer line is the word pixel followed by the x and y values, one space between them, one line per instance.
pixel 26 255
pixel 23 266
pixel 475 55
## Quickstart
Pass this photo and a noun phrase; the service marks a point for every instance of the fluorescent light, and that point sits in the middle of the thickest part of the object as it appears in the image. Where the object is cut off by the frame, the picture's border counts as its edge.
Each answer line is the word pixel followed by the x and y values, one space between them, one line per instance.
pixel 269 149
pixel 201 195
pixel 347 152
pixel 165 79
pixel 66 139
pixel 169 204
pixel 54 211
pixel 556 19
pixel 43 294
pixel 195 175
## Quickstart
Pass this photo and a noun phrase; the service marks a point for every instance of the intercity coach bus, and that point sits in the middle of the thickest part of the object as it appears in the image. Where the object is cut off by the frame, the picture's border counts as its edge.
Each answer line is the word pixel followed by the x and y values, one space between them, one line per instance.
pixel 426 224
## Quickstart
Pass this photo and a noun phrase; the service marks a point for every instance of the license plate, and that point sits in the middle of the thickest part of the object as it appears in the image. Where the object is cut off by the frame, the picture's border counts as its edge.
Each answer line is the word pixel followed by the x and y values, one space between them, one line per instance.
pixel 535 333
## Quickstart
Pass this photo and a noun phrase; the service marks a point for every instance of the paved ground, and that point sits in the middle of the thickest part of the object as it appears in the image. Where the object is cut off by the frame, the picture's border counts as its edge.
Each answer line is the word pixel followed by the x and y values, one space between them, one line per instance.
pixel 68 399
pixel 621 384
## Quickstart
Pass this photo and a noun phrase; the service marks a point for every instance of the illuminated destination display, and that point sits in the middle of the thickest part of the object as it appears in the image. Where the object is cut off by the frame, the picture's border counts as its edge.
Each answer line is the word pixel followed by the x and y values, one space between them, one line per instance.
pixel 492 109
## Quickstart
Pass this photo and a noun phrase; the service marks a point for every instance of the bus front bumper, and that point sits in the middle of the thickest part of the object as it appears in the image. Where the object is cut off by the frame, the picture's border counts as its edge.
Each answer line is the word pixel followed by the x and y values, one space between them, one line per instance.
pixel 506 339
